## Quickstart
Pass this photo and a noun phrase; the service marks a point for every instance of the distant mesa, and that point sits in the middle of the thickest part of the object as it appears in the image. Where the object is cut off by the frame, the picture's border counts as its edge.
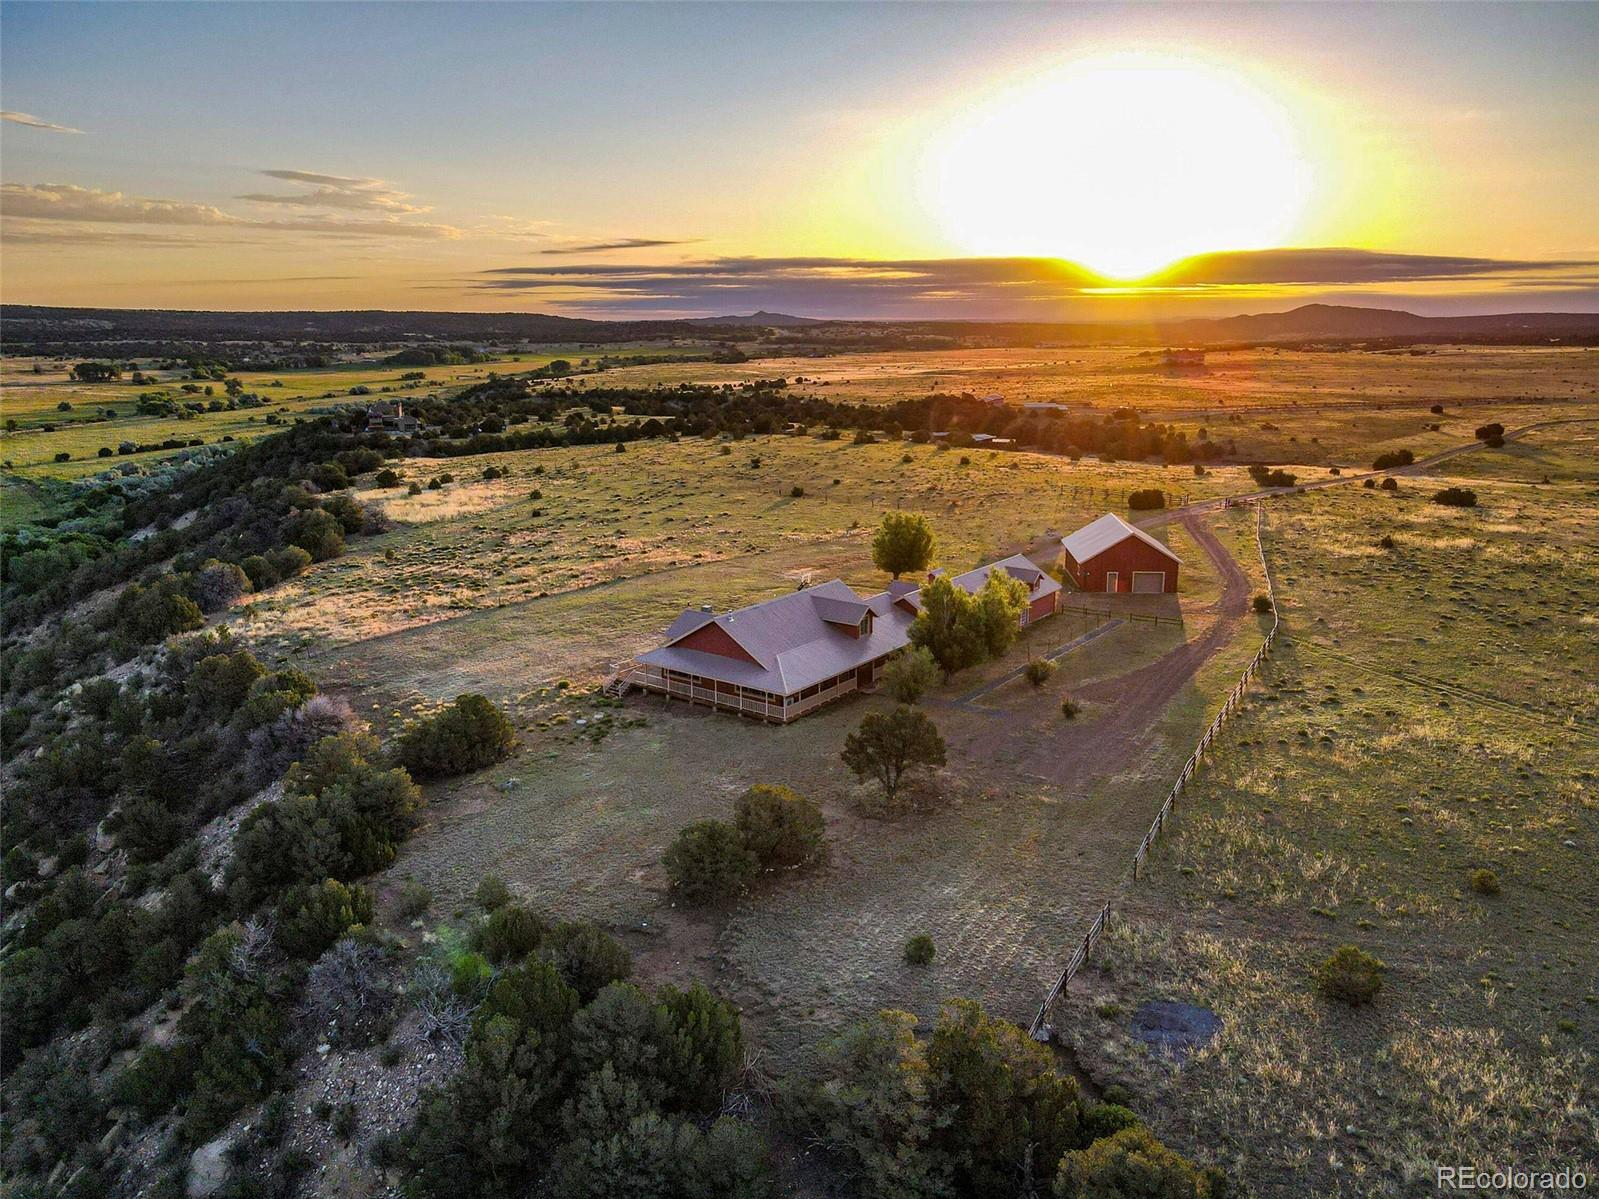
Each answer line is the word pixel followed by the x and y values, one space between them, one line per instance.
pixel 762 319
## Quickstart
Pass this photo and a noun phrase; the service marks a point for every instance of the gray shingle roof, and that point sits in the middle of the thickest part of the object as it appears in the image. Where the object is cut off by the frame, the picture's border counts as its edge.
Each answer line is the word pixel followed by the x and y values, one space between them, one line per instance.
pixel 791 638
pixel 796 638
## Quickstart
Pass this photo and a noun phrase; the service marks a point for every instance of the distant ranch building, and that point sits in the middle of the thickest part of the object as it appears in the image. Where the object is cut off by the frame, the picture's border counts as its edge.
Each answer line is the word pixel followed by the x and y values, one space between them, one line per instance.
pixel 1112 555
pixel 782 658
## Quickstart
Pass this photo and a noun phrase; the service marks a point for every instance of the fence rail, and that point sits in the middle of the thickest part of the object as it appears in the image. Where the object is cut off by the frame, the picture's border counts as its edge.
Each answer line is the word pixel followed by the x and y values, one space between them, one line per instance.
pixel 1235 698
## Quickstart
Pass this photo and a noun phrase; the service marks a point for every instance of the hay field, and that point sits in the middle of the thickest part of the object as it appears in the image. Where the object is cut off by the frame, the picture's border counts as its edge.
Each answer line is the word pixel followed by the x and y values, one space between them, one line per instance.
pixel 1433 711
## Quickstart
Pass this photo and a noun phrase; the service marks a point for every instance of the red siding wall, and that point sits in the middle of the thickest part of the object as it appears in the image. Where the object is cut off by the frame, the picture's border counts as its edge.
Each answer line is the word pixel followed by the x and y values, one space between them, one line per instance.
pixel 714 639
pixel 1124 557
pixel 1043 606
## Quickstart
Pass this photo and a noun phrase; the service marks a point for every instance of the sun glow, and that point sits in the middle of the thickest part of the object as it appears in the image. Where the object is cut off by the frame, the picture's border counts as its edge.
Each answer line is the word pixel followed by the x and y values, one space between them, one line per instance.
pixel 1124 163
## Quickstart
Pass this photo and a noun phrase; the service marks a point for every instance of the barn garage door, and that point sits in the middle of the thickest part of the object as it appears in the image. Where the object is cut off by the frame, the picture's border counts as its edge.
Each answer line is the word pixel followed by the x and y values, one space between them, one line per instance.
pixel 1149 582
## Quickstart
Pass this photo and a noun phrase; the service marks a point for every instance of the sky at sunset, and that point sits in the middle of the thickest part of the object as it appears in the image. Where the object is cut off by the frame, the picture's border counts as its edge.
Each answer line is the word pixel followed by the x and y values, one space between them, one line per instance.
pixel 964 161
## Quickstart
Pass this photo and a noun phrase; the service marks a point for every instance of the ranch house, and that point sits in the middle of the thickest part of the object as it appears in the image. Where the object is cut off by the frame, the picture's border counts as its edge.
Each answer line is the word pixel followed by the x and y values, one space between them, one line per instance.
pixel 1111 555
pixel 782 658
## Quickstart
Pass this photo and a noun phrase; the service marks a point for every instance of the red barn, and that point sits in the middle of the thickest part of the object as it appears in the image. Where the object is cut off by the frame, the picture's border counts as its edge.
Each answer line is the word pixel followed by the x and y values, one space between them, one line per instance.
pixel 1112 555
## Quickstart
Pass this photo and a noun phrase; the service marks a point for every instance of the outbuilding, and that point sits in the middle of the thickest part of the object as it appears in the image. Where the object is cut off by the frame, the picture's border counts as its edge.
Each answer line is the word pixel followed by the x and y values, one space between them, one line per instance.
pixel 1112 555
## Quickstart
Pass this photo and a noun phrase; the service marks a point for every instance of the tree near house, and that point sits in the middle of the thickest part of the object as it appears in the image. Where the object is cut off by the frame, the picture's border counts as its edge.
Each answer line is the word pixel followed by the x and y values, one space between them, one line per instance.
pixel 960 629
pixel 888 747
pixel 911 675
pixel 903 543
pixel 997 612
pixel 945 628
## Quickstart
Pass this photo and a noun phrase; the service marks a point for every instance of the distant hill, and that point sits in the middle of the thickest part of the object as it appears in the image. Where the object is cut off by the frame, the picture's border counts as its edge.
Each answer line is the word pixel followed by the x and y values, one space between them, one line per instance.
pixel 79 330
pixel 762 319
pixel 1339 322
pixel 32 324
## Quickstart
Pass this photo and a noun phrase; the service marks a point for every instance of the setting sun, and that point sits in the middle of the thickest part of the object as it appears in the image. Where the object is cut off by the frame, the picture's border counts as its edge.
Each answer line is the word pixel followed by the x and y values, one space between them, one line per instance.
pixel 1124 163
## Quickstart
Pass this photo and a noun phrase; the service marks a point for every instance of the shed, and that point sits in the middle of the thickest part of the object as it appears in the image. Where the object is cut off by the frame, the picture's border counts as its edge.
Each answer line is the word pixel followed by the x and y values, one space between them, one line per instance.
pixel 1111 555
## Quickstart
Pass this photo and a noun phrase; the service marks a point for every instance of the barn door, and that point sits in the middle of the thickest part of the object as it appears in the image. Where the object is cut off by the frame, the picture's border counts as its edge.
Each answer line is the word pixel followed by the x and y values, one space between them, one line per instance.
pixel 1112 579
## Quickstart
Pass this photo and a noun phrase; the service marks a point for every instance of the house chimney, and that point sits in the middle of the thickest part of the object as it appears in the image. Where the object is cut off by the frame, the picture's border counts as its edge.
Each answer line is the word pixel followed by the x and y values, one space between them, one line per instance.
pixel 706 608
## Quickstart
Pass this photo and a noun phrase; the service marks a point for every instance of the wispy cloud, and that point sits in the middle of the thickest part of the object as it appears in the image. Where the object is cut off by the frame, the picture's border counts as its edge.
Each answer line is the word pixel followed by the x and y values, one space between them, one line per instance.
pixel 624 243
pixel 38 205
pixel 1019 288
pixel 68 202
pixel 337 192
pixel 33 122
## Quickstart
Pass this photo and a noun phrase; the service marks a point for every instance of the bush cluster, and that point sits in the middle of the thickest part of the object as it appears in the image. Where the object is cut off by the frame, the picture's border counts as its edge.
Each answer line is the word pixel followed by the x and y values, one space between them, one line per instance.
pixel 773 829
pixel 971 1109
pixel 573 1090
pixel 468 735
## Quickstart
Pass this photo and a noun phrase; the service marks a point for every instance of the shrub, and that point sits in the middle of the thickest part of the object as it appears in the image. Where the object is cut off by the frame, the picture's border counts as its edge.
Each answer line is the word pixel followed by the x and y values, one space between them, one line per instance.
pixel 911 675
pixel 468 735
pixel 1069 708
pixel 1456 497
pixel 1038 671
pixel 415 899
pixel 259 571
pixel 387 477
pixel 708 863
pixel 1392 459
pixel 919 950
pixel 1491 431
pixel 316 532
pixel 587 956
pixel 509 933
pixel 1369 484
pixel 492 894
pixel 1387 541
pixel 312 917
pixel 289 561
pixel 1390 484
pixel 1485 882
pixel 414 488
pixel 796 491
pixel 1106 1120
pixel 1350 975
pixel 218 584
pixel 1132 1164
pixel 782 829
pixel 1147 498
pixel 1262 604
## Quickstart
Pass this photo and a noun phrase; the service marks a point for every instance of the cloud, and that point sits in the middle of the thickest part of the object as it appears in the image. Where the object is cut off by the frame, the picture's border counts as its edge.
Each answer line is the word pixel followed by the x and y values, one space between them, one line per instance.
pixel 337 192
pixel 624 243
pixel 1338 265
pixel 33 122
pixel 68 202
pixel 75 207
pixel 970 288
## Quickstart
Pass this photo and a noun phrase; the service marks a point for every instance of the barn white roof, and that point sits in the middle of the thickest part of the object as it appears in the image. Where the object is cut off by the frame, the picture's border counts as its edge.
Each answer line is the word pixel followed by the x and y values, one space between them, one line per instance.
pixel 1095 538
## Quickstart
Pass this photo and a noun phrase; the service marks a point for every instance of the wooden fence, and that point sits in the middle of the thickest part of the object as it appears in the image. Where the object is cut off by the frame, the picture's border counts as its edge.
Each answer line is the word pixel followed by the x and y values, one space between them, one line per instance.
pixel 1235 698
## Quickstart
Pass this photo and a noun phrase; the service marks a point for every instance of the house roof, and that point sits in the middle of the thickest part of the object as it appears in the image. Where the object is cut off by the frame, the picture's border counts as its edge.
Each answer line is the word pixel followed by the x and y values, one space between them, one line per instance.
pixel 1098 536
pixel 793 638
pixel 1017 566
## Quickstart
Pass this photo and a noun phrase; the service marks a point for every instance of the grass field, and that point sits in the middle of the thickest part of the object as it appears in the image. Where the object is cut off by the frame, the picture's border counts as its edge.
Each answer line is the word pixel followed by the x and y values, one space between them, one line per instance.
pixel 666 514
pixel 32 400
pixel 1432 711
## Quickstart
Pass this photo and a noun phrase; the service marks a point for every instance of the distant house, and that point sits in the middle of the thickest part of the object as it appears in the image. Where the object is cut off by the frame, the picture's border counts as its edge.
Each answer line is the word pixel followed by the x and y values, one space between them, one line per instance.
pixel 1111 555
pixel 782 658
pixel 1044 406
pixel 993 400
pixel 390 418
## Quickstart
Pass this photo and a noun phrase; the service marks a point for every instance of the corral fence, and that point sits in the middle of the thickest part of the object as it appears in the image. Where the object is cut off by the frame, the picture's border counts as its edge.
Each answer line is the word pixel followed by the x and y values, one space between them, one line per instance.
pixel 1140 617
pixel 1039 1029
